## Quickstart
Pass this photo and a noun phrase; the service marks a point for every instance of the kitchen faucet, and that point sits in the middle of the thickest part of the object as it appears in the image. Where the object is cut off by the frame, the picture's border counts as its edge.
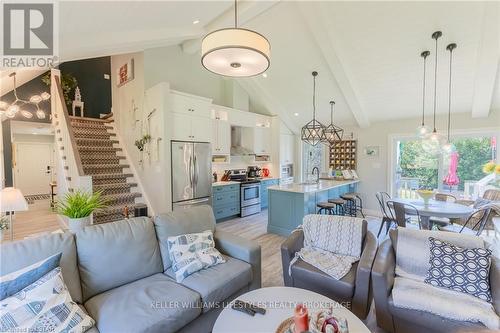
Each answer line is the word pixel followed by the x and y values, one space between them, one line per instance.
pixel 317 175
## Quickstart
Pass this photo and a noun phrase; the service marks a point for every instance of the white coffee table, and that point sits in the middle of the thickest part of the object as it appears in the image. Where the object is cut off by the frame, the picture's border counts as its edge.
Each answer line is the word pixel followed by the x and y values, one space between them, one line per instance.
pixel 279 303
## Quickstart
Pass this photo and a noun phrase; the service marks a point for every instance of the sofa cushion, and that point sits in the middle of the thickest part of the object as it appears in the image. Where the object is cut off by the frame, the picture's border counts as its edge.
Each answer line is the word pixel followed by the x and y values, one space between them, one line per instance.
pixel 309 277
pixel 407 242
pixel 217 283
pixel 116 253
pixel 440 302
pixel 192 252
pixel 152 304
pixel 19 254
pixel 460 269
pixel 181 222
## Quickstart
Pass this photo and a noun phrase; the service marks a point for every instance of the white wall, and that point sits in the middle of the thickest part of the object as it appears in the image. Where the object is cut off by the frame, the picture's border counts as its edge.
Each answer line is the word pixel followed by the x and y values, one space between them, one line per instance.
pixel 374 171
pixel 131 105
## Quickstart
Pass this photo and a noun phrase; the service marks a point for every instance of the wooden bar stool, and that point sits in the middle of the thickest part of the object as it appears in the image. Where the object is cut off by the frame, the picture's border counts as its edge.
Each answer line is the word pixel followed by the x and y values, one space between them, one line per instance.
pixel 353 203
pixel 326 207
pixel 339 205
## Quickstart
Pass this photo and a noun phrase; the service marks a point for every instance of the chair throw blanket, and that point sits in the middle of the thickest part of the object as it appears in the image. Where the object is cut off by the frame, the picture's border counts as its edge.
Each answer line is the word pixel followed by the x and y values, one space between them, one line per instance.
pixel 331 243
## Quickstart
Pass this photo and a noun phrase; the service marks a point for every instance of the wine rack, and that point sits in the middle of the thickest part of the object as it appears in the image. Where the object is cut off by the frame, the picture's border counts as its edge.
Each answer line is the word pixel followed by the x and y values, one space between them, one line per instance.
pixel 343 155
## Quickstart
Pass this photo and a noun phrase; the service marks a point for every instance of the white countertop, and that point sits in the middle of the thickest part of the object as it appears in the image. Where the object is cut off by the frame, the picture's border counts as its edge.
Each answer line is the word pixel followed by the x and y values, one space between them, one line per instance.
pixel 220 183
pixel 323 185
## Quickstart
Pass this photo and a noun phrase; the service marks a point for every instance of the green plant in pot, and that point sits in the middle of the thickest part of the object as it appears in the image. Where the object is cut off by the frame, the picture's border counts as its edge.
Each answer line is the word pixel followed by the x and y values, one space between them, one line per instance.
pixel 4 225
pixel 141 143
pixel 78 206
pixel 68 85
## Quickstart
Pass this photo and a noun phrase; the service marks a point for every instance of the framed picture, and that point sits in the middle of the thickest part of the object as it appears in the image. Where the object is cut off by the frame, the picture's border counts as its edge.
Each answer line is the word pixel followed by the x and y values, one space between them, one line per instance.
pixel 372 151
pixel 125 73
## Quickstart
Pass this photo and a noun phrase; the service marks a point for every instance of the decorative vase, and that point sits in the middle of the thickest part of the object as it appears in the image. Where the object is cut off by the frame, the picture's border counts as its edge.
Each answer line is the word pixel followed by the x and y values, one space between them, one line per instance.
pixel 75 225
pixel 426 195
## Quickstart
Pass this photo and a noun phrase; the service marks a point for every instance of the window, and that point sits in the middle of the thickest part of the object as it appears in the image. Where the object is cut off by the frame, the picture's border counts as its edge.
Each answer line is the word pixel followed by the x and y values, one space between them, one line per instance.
pixel 415 168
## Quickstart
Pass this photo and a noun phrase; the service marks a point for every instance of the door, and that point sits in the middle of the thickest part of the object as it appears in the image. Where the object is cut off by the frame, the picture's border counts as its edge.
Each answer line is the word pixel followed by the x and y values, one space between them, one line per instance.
pixel 182 171
pixel 33 167
pixel 202 160
pixel 223 137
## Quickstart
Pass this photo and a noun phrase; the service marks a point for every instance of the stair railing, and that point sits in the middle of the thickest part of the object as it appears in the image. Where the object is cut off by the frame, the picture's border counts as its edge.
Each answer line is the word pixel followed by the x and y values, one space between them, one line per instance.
pixel 70 171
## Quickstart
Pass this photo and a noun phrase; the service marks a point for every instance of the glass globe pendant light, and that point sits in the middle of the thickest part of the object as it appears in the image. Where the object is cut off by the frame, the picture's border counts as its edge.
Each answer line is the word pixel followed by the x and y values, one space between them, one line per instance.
pixel 313 132
pixel 333 133
pixel 434 141
pixel 422 130
pixel 448 147
pixel 235 52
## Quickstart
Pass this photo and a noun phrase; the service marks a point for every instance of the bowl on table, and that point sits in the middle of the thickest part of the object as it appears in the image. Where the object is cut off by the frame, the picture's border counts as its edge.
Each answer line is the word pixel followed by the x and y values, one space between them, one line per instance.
pixel 426 195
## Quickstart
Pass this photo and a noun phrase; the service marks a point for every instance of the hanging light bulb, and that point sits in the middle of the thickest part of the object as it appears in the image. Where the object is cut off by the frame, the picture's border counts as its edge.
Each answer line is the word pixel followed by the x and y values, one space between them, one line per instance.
pixel 27 114
pixel 3 105
pixel 35 99
pixel 40 114
pixel 448 147
pixel 13 109
pixel 45 96
pixel 10 114
pixel 333 133
pixel 433 142
pixel 313 132
pixel 422 130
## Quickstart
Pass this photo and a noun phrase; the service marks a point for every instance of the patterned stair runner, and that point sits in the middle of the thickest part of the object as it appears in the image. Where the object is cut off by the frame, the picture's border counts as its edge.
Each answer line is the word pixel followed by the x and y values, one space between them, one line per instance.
pixel 99 153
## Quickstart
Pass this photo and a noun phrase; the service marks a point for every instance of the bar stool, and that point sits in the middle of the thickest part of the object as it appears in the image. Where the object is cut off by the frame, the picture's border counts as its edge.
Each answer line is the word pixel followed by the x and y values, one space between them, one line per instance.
pixel 353 203
pixel 326 207
pixel 339 205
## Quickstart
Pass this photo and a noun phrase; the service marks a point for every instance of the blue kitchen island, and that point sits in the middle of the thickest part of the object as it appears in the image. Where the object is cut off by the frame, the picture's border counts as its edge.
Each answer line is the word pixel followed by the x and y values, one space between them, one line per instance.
pixel 288 204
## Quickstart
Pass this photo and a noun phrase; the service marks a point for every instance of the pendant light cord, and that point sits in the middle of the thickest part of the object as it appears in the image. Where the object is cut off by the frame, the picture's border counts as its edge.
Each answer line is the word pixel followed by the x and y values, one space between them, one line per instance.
pixel 314 96
pixel 236 13
pixel 450 48
pixel 424 55
pixel 332 104
pixel 435 83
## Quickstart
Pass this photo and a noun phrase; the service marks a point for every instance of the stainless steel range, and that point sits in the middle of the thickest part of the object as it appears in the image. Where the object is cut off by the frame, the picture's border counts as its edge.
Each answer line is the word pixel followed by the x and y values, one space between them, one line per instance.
pixel 249 192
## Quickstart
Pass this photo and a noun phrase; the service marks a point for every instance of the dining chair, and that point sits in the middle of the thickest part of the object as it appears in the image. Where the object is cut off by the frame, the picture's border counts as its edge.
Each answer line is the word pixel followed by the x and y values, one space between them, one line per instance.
pixel 477 219
pixel 443 221
pixel 382 198
pixel 445 197
pixel 399 211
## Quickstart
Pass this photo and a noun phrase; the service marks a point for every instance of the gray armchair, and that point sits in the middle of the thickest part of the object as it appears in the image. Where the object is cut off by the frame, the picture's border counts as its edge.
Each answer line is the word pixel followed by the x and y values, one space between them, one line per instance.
pixel 401 320
pixel 352 291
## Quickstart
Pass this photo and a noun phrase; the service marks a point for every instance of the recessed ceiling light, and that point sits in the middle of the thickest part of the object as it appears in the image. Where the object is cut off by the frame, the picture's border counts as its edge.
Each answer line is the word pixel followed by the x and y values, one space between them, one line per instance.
pixel 196 21
pixel 264 74
pixel 296 114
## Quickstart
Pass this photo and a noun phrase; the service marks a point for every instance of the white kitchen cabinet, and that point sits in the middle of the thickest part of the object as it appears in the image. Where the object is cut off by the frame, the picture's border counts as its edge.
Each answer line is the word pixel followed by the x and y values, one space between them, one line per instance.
pixel 190 128
pixel 287 148
pixel 262 141
pixel 190 104
pixel 221 137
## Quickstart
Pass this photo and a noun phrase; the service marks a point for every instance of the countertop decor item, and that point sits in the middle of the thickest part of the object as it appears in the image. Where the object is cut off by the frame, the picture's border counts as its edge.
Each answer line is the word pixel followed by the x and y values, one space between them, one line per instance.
pixel 235 52
pixel 12 200
pixel 333 133
pixel 313 132
pixel 422 130
pixel 77 208
pixel 11 109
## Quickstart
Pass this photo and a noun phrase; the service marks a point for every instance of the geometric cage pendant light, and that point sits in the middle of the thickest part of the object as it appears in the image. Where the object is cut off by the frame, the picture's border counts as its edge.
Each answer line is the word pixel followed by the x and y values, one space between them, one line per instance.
pixel 333 133
pixel 235 52
pixel 17 106
pixel 313 132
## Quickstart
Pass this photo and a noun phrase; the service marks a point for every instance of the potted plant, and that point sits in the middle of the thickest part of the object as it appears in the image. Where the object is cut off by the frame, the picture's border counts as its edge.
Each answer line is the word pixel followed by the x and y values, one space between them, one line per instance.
pixel 142 141
pixel 4 225
pixel 68 84
pixel 78 206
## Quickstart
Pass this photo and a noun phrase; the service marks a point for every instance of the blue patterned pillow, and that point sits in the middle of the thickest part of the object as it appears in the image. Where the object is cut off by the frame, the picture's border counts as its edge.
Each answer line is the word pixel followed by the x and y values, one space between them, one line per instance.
pixel 460 269
pixel 15 281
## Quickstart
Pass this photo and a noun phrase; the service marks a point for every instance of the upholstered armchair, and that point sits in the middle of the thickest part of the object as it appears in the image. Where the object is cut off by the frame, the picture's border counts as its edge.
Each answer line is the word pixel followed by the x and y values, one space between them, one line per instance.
pixel 352 291
pixel 405 319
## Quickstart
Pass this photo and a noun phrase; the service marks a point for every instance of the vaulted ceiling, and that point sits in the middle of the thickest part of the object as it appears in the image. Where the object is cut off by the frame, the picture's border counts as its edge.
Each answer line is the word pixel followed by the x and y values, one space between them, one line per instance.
pixel 367 53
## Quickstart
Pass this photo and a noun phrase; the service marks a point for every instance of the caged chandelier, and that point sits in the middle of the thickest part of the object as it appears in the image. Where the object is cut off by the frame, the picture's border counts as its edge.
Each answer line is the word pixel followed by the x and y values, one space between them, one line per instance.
pixel 11 109
pixel 313 132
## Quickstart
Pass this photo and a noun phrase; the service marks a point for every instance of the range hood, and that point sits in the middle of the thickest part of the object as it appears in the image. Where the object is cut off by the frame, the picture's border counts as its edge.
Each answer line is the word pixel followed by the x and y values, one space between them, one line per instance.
pixel 237 149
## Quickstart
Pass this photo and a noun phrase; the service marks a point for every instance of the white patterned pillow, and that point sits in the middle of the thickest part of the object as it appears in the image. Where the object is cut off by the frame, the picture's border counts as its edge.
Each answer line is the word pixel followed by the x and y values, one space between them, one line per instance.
pixel 460 269
pixel 43 306
pixel 192 252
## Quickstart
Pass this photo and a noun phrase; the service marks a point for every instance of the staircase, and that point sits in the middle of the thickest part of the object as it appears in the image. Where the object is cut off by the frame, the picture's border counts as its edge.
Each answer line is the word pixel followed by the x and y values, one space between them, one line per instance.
pixel 100 158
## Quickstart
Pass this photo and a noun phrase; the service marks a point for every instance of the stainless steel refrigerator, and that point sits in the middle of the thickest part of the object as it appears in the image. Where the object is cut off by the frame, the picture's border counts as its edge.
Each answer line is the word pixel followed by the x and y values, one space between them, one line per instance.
pixel 191 174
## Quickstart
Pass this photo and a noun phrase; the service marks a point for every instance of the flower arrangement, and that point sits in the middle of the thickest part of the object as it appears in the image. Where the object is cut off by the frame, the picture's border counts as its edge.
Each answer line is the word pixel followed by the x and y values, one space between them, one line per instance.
pixel 493 168
pixel 4 223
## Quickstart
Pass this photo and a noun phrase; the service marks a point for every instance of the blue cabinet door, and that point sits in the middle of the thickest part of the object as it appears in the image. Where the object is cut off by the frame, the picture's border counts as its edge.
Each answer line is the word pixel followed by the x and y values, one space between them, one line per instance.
pixel 226 201
pixel 264 198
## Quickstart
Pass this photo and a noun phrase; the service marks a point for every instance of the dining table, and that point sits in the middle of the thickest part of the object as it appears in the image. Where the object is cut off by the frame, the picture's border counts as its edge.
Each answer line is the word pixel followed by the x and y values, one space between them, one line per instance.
pixel 435 208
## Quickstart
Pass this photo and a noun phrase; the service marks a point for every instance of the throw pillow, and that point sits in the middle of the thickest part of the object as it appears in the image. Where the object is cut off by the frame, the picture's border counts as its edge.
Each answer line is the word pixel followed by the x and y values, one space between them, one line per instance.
pixel 460 269
pixel 43 306
pixel 192 252
pixel 16 281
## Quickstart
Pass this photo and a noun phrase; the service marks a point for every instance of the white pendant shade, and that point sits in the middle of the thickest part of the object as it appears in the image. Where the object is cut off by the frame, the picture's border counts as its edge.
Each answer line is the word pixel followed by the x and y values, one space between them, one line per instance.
pixel 12 200
pixel 235 52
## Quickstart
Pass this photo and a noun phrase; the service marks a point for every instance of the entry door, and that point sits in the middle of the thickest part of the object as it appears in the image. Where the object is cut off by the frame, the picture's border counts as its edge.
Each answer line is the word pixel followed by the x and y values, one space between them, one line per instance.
pixel 33 168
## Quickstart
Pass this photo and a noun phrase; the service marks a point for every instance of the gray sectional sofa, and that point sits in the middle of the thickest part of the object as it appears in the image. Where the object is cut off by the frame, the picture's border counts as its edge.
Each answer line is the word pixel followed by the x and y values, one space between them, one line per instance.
pixel 121 275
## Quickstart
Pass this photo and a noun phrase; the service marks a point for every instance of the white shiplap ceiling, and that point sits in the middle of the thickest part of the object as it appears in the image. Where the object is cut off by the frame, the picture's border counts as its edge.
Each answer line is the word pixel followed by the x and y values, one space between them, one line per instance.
pixel 367 53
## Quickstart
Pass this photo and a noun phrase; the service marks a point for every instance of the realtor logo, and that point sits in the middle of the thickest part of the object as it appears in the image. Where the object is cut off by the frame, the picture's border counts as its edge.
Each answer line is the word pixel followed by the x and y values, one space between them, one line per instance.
pixel 28 34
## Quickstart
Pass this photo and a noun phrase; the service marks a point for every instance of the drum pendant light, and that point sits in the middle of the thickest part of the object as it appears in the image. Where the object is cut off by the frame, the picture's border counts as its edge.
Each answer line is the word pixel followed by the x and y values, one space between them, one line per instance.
pixel 448 147
pixel 434 141
pixel 313 132
pixel 333 133
pixel 235 52
pixel 422 130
